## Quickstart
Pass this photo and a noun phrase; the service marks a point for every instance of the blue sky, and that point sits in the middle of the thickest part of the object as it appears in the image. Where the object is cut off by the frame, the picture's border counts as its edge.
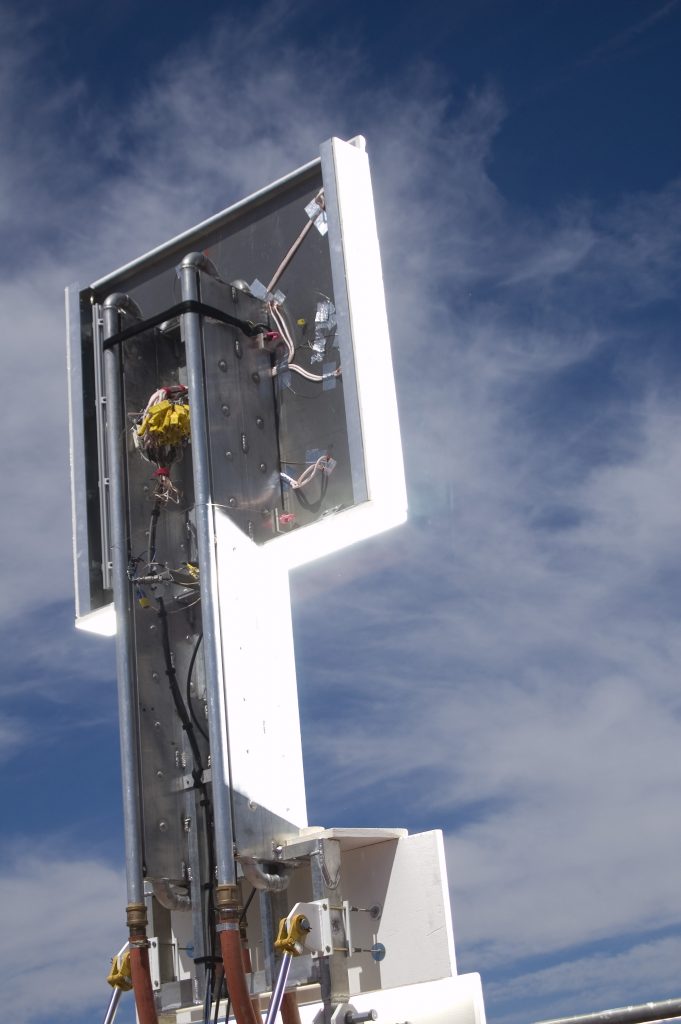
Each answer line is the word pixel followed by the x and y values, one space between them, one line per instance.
pixel 505 666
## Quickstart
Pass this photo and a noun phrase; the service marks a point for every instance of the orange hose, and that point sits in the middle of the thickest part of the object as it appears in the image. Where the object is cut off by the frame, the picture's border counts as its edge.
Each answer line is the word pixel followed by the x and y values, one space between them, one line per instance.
pixel 141 984
pixel 290 1014
pixel 235 975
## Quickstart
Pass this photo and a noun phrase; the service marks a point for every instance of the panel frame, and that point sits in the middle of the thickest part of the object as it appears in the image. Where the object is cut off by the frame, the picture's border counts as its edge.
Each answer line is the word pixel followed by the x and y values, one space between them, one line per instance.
pixel 369 393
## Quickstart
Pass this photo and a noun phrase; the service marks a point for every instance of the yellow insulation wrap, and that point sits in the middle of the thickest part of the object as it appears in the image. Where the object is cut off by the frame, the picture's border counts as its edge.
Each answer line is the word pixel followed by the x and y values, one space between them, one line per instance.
pixel 166 423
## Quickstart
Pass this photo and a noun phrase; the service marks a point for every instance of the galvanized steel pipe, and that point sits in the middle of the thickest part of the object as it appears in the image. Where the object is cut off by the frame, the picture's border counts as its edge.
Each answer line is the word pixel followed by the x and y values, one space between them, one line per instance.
pixel 125 673
pixel 205 533
pixel 665 1009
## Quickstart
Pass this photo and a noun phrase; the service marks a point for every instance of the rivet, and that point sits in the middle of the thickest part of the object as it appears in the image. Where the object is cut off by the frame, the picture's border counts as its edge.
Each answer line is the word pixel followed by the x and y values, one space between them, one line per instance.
pixel 229 455
pixel 259 422
pixel 154 675
pixel 263 467
pixel 163 826
pixel 225 410
pixel 232 502
pixel 222 365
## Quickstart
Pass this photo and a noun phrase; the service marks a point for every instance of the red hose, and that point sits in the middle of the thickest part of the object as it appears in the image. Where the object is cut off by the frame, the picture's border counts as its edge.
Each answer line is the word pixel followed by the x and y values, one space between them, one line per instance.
pixel 235 976
pixel 290 1014
pixel 141 984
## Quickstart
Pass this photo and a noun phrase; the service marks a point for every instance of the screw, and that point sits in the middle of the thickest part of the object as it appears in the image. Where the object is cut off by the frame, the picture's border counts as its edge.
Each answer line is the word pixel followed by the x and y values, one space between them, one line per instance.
pixel 263 467
pixel 259 422
pixel 229 455
pixel 222 365
pixel 232 502
pixel 163 826
pixel 255 377
pixel 225 410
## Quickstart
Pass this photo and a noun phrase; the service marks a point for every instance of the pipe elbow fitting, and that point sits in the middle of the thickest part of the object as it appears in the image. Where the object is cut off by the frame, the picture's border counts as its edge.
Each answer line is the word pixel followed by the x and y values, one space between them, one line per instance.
pixel 265 880
pixel 199 261
pixel 123 303
pixel 171 896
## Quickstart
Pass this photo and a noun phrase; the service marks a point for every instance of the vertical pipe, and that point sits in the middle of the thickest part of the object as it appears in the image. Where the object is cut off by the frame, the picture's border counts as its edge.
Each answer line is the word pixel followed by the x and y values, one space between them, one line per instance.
pixel 205 532
pixel 127 690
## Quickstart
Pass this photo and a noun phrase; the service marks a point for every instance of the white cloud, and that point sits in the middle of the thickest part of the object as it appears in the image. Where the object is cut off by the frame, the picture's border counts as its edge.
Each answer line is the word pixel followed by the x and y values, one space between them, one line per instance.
pixel 515 663
pixel 66 919
pixel 586 984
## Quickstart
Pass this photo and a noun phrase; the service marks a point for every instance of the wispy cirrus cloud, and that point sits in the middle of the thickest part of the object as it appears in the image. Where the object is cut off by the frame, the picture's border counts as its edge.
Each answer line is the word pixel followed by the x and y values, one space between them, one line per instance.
pixel 508 668
pixel 54 964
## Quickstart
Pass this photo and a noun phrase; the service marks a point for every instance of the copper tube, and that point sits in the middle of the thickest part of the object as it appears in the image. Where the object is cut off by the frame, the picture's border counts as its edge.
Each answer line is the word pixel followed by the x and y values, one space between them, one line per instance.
pixel 235 975
pixel 141 982
pixel 290 1014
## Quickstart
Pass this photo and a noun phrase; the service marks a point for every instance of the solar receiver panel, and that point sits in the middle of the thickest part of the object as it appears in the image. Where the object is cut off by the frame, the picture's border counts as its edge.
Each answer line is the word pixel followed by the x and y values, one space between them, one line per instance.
pixel 304 438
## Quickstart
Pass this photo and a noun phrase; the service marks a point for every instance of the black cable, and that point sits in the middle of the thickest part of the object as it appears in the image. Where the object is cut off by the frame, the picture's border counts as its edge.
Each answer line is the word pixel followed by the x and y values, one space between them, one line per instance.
pixel 187 725
pixel 188 687
pixel 312 506
pixel 187 306
pixel 242 916
pixel 153 523
pixel 180 707
pixel 209 993
pixel 217 999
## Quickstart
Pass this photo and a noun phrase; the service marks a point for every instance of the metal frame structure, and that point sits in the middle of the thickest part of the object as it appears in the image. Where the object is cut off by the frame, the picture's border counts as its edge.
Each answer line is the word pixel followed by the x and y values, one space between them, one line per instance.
pixel 197 566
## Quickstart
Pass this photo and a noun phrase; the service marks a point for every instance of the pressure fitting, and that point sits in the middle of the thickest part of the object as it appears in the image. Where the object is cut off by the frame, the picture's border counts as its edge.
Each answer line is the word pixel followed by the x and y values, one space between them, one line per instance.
pixel 136 917
pixel 227 905
pixel 227 897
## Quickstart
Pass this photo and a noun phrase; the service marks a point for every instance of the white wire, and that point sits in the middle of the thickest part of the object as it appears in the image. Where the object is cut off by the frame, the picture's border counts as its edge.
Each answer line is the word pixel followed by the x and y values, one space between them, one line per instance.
pixel 307 474
pixel 288 341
